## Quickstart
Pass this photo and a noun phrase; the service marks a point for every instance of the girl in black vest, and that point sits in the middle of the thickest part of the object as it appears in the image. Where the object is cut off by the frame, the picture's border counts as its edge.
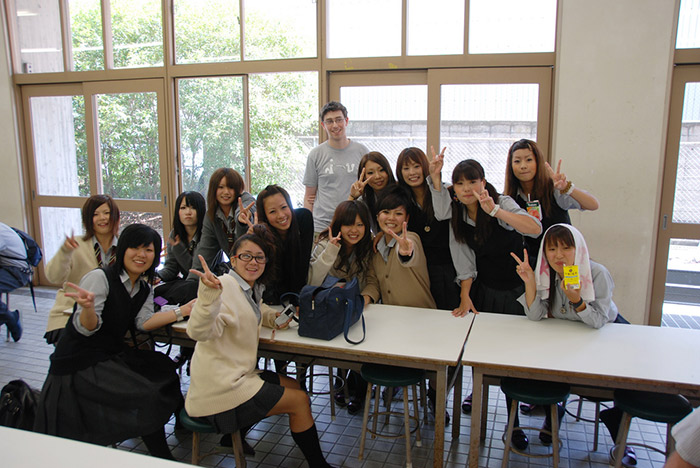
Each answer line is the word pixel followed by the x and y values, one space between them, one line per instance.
pixel 98 389
pixel 485 226
pixel 546 194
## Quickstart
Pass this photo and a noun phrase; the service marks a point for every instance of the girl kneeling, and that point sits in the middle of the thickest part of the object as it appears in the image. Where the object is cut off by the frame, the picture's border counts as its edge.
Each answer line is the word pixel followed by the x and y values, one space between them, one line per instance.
pixel 225 387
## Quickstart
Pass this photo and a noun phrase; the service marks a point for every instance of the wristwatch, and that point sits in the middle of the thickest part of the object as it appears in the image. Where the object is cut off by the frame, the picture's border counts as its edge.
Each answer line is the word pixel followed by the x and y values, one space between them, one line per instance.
pixel 576 305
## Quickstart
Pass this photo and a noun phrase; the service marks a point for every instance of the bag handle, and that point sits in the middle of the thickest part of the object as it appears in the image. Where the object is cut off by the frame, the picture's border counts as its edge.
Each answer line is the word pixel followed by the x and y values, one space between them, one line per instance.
pixel 346 328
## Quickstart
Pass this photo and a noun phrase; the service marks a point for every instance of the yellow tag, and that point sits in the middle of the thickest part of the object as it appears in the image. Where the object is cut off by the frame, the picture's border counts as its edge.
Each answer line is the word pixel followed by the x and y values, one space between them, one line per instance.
pixel 571 278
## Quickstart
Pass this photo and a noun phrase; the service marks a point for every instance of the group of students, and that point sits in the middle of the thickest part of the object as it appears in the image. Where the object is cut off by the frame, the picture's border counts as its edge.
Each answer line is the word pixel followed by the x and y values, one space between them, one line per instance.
pixel 410 239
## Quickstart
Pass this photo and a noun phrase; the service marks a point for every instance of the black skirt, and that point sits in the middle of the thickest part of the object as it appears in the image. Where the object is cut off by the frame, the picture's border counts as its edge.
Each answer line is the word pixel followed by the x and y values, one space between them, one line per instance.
pixel 132 394
pixel 498 301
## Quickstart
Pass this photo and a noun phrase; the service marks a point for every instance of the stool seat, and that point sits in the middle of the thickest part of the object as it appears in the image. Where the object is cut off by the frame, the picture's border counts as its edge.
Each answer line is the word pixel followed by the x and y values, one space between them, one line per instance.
pixel 535 392
pixel 195 424
pixel 391 376
pixel 657 407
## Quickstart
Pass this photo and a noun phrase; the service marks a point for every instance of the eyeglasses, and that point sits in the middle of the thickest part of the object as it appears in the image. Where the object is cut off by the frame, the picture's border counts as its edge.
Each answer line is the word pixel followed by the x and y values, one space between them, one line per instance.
pixel 248 257
pixel 337 120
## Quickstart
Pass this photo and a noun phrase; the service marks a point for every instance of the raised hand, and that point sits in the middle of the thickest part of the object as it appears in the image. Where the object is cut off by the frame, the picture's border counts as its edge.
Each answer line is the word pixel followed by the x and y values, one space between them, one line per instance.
pixel 83 297
pixel 436 163
pixel 485 200
pixel 244 216
pixel 573 294
pixel 358 187
pixel 405 244
pixel 523 268
pixel 335 240
pixel 70 243
pixel 208 278
pixel 558 178
pixel 173 241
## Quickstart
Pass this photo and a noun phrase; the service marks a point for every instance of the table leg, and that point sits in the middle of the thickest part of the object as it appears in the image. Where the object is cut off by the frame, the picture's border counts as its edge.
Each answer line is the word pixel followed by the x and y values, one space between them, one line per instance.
pixel 440 396
pixel 474 436
pixel 456 398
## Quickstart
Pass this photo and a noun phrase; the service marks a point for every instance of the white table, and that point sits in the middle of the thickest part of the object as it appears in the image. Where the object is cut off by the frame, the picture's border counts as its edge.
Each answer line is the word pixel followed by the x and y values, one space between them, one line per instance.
pixel 22 449
pixel 615 356
pixel 400 336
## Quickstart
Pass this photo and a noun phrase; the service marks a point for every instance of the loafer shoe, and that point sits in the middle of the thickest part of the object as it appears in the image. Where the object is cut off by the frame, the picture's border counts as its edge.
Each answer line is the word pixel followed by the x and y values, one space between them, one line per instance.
pixel 339 399
pixel 354 406
pixel 519 440
pixel 527 408
pixel 629 459
pixel 467 405
pixel 546 437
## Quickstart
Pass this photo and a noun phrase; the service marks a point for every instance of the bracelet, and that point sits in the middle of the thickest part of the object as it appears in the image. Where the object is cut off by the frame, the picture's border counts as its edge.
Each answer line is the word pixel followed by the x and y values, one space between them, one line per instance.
pixel 495 210
pixel 568 189
pixel 178 315
pixel 576 305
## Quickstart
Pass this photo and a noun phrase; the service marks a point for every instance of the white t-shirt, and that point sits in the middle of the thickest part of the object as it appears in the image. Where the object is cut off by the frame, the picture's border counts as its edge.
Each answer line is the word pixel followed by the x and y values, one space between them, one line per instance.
pixel 687 436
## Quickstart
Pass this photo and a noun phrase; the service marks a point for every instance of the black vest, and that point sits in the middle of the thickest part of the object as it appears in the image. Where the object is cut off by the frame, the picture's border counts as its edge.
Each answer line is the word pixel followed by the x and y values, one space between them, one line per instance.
pixel 557 215
pixel 75 351
pixel 495 266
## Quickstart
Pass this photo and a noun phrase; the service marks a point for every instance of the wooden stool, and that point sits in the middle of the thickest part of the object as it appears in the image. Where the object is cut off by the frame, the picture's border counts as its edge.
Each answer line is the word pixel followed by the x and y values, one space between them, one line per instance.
pixel 310 374
pixel 201 426
pixel 391 376
pixel 534 392
pixel 596 419
pixel 656 407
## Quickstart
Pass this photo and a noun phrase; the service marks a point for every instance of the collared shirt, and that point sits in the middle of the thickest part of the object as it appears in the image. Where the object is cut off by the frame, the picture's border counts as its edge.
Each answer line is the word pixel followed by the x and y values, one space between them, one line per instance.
pixel 385 249
pixel 229 221
pixel 254 294
pixel 97 283
pixel 103 261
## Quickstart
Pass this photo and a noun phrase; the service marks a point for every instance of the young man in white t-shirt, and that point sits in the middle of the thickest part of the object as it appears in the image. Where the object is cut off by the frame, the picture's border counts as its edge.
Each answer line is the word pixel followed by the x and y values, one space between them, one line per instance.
pixel 331 167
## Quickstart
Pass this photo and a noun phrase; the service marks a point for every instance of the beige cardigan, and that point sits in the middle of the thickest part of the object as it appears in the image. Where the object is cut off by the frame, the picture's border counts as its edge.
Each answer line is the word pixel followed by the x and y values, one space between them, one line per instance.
pixel 223 373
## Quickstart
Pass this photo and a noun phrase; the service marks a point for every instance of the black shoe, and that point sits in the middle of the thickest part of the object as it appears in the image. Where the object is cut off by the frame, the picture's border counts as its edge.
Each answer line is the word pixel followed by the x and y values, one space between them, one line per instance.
pixel 14 325
pixel 226 441
pixel 431 405
pixel 467 405
pixel 339 399
pixel 519 440
pixel 527 408
pixel 354 406
pixel 629 459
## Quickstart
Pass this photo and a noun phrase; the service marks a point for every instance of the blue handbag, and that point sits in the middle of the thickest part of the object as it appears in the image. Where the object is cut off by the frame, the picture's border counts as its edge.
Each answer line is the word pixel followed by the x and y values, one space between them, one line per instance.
pixel 328 310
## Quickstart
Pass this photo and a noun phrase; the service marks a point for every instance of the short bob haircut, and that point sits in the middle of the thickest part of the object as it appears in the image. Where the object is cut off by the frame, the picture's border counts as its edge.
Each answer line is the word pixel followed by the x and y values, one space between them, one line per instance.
pixel 138 235
pixel 333 106
pixel 233 180
pixel 88 211
pixel 193 200
pixel 345 215
pixel 394 198
pixel 542 184
pixel 416 155
pixel 263 238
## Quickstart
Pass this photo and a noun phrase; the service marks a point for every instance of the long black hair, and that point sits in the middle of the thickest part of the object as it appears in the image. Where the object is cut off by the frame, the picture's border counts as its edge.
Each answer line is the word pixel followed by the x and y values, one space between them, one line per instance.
pixel 194 200
pixel 470 169
pixel 557 234
pixel 138 235
pixel 369 196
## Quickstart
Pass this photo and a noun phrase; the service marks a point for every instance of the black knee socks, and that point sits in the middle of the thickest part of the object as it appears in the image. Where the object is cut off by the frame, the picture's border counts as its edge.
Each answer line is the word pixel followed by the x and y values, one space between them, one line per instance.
pixel 311 448
pixel 156 444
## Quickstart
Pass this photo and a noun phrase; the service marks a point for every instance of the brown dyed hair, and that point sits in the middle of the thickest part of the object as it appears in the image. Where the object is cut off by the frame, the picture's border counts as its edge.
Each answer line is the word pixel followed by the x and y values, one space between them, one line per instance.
pixel 416 155
pixel 88 211
pixel 542 186
pixel 233 180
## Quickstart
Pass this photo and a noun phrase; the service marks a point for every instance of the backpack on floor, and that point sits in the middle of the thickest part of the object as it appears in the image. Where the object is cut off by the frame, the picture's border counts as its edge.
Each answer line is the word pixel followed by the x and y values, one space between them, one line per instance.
pixel 18 405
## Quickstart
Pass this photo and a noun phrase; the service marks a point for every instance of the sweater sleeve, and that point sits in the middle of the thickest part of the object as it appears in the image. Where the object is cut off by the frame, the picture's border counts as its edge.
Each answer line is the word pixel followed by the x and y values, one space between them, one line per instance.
pixel 58 268
pixel 323 257
pixel 601 310
pixel 268 315
pixel 204 324
pixel 371 287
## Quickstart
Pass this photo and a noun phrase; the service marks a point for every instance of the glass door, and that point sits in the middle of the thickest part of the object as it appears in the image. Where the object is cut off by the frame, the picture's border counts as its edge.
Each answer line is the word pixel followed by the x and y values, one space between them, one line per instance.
pixel 676 281
pixel 91 138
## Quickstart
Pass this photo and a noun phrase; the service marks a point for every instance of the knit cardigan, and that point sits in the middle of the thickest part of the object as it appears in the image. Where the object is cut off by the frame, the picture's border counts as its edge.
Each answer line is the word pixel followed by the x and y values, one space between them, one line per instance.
pixel 68 265
pixel 223 370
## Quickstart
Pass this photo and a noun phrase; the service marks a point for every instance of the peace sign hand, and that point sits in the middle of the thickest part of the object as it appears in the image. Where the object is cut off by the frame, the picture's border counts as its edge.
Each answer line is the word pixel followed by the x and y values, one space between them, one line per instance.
pixel 485 200
pixel 435 164
pixel 358 187
pixel 523 268
pixel 208 278
pixel 558 178
pixel 405 244
pixel 83 297
pixel 70 243
pixel 333 240
pixel 244 216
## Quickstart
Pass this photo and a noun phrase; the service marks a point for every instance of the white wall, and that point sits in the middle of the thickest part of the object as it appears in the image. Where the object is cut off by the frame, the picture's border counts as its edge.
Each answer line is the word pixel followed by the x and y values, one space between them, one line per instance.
pixel 11 201
pixel 614 63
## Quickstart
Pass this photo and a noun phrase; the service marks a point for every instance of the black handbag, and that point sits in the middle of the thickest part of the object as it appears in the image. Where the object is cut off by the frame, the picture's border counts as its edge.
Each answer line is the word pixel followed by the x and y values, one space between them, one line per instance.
pixel 18 405
pixel 328 310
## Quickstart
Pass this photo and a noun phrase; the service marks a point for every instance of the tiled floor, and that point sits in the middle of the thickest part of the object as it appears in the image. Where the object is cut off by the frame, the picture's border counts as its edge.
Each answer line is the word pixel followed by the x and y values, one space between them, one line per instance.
pixel 28 359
